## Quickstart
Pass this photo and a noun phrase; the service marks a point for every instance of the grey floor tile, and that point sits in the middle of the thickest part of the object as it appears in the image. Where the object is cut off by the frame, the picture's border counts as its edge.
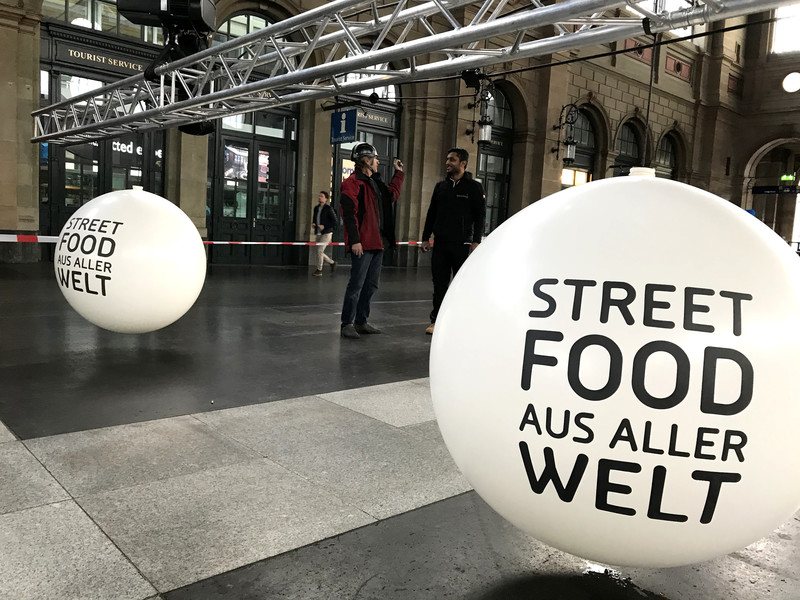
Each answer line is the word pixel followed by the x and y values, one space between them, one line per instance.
pixel 187 528
pixel 25 482
pixel 379 468
pixel 55 552
pixel 89 462
pixel 399 404
pixel 5 434
pixel 775 553
pixel 730 576
pixel 429 430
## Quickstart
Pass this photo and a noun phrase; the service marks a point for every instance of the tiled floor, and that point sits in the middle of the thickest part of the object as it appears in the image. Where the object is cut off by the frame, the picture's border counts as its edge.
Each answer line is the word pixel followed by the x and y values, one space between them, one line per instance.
pixel 318 472
pixel 169 502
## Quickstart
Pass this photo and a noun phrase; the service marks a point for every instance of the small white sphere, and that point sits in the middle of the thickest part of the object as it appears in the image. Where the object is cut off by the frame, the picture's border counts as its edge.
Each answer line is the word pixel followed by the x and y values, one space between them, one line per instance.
pixel 130 261
pixel 614 371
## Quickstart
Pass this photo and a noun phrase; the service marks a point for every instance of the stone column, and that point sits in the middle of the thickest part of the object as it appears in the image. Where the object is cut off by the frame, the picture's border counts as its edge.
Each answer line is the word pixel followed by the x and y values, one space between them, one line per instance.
pixel 423 145
pixel 551 95
pixel 19 96
pixel 185 175
pixel 313 166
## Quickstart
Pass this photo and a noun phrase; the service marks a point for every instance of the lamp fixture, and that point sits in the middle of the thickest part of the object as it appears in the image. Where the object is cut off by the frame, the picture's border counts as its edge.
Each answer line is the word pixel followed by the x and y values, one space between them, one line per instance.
pixel 483 94
pixel 566 120
pixel 791 83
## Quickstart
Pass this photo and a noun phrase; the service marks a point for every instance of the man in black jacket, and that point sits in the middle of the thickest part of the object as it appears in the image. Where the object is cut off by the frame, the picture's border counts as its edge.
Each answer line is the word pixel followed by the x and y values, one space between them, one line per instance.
pixel 455 218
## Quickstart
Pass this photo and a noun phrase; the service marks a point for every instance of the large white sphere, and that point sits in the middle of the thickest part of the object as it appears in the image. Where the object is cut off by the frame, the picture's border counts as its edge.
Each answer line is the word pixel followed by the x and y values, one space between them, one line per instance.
pixel 615 371
pixel 130 261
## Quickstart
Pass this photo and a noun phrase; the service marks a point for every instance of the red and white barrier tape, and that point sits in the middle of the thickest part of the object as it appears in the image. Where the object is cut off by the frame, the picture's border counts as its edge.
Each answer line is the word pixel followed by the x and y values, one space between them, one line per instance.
pixel 46 239
pixel 52 239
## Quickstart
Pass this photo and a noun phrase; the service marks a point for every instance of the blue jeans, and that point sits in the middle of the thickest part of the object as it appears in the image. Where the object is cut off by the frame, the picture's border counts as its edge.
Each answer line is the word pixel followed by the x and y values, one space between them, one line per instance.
pixel 365 274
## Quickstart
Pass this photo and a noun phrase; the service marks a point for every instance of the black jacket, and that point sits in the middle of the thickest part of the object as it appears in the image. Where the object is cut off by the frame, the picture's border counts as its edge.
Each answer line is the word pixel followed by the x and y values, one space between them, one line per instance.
pixel 328 219
pixel 457 211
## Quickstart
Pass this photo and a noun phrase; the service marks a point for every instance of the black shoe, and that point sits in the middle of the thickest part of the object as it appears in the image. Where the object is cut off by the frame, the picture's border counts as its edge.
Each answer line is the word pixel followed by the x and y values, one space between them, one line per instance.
pixel 366 328
pixel 348 331
pixel 333 266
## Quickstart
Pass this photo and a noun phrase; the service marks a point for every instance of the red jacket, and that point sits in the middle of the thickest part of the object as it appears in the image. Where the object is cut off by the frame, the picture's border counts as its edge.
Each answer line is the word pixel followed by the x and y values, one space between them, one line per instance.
pixel 359 208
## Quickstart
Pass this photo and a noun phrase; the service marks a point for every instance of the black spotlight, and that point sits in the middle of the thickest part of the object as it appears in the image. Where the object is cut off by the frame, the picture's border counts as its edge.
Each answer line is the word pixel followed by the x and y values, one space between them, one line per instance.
pixel 201 128
pixel 190 15
pixel 472 78
pixel 187 25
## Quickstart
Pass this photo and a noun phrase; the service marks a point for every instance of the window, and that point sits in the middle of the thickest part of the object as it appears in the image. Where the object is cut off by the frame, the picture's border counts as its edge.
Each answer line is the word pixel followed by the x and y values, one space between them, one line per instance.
pixel 386 92
pixel 639 51
pixel 571 177
pixel 583 132
pixel 238 26
pixel 666 157
pixel 100 15
pixel 784 36
pixel 628 142
pixel 72 85
pixel 581 171
pixel 500 111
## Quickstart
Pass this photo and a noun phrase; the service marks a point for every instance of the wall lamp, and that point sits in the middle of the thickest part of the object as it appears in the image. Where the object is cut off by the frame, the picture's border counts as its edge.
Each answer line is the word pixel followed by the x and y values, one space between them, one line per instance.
pixel 566 119
pixel 483 94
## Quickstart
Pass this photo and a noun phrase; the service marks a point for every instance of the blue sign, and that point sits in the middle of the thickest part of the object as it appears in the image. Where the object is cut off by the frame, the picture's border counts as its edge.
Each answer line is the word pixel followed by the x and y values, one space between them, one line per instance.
pixel 343 126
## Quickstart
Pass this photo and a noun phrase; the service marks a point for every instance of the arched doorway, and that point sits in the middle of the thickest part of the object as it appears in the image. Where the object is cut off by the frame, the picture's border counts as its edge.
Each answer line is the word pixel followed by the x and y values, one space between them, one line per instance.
pixel 252 174
pixel 494 161
pixel 771 179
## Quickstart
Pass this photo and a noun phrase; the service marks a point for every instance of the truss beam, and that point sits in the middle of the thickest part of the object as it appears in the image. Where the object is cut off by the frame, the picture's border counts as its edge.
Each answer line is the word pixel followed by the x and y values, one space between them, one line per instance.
pixel 316 55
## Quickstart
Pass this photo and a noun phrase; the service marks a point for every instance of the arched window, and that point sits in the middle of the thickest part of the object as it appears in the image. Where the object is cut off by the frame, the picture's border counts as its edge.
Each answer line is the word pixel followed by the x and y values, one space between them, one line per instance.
pixel 582 170
pixel 667 158
pixel 629 148
pixel 239 25
pixel 494 160
pixel 500 110
pixel 385 92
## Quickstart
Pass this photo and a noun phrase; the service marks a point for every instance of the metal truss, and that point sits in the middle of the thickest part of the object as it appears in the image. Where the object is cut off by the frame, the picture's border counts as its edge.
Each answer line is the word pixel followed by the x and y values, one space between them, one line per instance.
pixel 347 46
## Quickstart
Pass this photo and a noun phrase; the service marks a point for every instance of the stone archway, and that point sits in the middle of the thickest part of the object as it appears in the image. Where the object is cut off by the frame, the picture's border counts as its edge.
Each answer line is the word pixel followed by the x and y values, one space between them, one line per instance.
pixel 749 174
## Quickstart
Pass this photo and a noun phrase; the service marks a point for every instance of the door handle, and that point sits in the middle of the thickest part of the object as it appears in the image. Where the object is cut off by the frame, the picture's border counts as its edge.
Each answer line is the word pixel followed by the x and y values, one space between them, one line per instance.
pixel 254 222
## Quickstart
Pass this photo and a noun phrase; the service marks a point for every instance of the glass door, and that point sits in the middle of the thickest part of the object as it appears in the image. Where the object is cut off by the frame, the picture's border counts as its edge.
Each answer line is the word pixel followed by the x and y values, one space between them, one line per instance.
pixel 127 158
pixel 233 223
pixel 256 203
pixel 268 223
pixel 493 173
pixel 81 176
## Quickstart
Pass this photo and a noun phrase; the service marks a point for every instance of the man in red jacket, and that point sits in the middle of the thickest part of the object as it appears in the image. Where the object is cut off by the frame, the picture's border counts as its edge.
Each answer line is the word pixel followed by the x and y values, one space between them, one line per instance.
pixel 366 205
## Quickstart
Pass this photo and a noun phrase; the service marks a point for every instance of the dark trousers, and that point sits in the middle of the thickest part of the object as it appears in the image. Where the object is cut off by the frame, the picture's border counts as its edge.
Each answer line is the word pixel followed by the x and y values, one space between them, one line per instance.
pixel 446 261
pixel 365 274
